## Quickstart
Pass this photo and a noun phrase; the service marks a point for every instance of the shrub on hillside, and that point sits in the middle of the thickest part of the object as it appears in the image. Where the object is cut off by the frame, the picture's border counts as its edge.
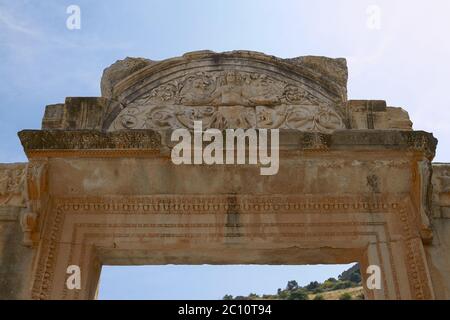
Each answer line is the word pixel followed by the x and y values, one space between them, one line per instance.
pixel 342 285
pixel 345 296
pixel 299 294
pixel 312 285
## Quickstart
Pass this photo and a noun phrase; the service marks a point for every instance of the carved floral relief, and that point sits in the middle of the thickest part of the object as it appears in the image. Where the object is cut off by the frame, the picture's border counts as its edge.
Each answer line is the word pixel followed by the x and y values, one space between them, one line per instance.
pixel 230 99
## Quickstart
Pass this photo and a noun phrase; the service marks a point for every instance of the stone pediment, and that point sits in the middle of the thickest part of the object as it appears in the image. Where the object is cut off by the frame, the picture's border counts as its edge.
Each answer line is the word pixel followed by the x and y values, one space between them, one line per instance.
pixel 238 89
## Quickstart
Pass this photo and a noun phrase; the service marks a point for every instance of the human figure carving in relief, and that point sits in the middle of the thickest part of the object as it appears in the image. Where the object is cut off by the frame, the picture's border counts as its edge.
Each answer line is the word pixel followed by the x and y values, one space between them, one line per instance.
pixel 230 99
pixel 230 88
pixel 230 92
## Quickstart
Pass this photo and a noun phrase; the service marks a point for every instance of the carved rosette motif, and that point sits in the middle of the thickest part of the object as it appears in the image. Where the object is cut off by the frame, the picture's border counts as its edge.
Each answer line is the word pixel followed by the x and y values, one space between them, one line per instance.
pixel 230 99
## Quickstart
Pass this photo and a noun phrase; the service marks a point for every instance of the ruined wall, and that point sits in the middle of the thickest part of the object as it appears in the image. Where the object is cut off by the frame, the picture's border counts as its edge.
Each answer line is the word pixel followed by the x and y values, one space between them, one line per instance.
pixel 438 251
pixel 15 257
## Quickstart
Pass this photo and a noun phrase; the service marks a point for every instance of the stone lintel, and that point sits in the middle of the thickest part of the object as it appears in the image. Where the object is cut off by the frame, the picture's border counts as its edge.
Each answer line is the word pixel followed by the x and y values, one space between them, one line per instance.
pixel 73 140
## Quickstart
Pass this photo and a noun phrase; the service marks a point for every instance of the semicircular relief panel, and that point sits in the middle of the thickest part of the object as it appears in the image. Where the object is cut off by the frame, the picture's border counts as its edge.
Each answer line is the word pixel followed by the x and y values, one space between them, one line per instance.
pixel 231 97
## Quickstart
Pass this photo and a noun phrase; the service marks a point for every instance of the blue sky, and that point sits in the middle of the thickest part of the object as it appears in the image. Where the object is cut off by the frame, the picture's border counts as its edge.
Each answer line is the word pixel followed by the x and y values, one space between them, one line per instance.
pixel 405 62
pixel 205 282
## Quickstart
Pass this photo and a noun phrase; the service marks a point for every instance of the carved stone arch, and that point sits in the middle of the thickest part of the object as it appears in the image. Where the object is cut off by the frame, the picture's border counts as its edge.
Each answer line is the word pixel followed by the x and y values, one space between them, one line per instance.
pixel 89 197
pixel 266 92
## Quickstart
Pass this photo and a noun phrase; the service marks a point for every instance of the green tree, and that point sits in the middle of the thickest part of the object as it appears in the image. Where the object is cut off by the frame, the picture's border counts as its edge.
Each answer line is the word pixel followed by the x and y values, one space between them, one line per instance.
pixel 355 277
pixel 319 297
pixel 353 274
pixel 292 285
pixel 228 297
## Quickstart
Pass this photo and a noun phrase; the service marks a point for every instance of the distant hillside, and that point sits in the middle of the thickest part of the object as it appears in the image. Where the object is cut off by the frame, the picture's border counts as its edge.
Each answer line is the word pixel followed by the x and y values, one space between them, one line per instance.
pixel 346 287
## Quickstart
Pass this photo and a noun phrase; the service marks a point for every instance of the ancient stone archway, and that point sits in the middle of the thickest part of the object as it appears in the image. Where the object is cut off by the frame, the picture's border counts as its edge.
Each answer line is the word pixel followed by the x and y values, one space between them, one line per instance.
pixel 354 183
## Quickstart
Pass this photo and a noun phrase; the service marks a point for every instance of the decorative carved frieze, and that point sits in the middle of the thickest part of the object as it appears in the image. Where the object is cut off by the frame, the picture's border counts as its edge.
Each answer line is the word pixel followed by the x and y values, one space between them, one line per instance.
pixel 89 140
pixel 309 118
pixel 229 88
pixel 46 141
pixel 230 99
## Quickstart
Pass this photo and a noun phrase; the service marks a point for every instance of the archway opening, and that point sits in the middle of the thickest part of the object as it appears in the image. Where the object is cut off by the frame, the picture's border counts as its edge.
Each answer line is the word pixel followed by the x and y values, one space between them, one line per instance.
pixel 213 282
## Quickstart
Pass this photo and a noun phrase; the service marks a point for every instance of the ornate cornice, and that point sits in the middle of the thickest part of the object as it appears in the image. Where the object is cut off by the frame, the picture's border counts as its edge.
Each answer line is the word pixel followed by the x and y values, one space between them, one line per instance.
pixel 89 140
pixel 145 141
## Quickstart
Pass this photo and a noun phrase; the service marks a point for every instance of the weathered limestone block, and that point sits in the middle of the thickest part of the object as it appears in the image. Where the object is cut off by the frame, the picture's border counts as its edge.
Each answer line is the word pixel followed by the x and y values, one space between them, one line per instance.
pixel 374 114
pixel 395 118
pixel 119 71
pixel 441 190
pixel 75 113
pixel 54 117
pixel 335 69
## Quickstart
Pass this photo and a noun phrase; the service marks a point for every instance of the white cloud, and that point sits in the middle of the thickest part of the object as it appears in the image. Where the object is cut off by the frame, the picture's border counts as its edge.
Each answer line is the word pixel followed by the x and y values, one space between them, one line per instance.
pixel 9 22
